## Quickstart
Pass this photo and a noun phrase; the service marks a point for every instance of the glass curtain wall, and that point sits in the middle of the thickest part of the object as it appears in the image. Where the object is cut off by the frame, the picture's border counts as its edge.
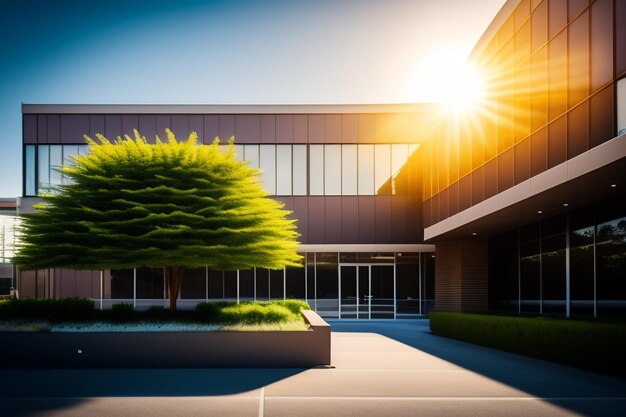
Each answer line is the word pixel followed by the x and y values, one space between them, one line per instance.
pixel 529 271
pixel 372 285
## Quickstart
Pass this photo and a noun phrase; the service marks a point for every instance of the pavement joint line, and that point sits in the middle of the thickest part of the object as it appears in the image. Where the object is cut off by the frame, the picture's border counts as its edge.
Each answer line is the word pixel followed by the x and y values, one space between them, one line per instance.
pixel 530 398
pixel 262 402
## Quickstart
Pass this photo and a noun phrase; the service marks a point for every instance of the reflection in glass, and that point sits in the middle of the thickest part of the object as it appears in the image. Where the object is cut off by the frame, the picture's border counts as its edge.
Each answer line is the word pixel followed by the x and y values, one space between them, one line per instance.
pixel 366 169
pixel 30 170
pixel 150 283
pixel 283 170
pixel 611 263
pixel 299 170
pixel 246 284
pixel 316 170
pixel 267 162
pixel 251 154
pixel 382 165
pixel 349 171
pixel 581 272
pixel 277 284
pixel 327 288
pixel 332 170
pixel 56 161
pixel 262 283
pixel 295 282
pixel 193 285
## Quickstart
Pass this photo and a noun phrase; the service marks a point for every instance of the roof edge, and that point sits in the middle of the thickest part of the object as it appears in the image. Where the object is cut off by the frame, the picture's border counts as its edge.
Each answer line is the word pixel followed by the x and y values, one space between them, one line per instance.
pixel 225 108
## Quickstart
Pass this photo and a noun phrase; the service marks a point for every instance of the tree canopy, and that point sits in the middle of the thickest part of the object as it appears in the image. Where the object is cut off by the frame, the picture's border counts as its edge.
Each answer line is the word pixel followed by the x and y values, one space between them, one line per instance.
pixel 170 204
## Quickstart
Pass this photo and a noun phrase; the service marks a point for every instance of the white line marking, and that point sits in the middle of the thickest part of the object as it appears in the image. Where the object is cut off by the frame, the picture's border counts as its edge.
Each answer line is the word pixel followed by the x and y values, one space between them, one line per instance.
pixel 262 402
pixel 286 397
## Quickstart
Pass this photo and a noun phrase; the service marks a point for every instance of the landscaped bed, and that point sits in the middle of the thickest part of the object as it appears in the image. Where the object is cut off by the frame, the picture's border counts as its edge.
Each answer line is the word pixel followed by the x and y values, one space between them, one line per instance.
pixel 79 315
pixel 69 333
pixel 592 345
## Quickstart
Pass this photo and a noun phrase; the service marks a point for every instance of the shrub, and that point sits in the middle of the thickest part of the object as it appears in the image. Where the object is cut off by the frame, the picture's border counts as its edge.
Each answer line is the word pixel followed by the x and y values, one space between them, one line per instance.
pixel 255 313
pixel 122 312
pixel 62 309
pixel 71 309
pixel 592 345
pixel 295 306
pixel 210 311
pixel 156 313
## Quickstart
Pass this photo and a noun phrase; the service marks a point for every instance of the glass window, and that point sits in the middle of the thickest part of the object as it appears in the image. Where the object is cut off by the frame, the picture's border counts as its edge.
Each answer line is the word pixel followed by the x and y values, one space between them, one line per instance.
pixel 299 170
pixel 56 161
pixel 230 285
pixel 251 154
pixel 262 283
pixel 382 165
pixel 69 152
pixel 295 283
pixel 611 262
pixel 193 285
pixel 216 284
pixel 150 283
pixel 553 275
pixel 327 284
pixel 30 170
pixel 332 170
pixel 366 169
pixel 316 167
pixel 349 171
pixel 246 284
pixel 83 149
pixel 283 169
pixel 122 283
pixel 43 169
pixel 399 156
pixel 239 152
pixel 530 278
pixel 581 272
pixel 267 162
pixel 277 284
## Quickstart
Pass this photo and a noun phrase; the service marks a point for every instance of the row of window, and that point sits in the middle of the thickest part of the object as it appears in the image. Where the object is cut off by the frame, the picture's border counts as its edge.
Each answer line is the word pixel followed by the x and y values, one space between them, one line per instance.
pixel 287 169
pixel 373 285
pixel 531 272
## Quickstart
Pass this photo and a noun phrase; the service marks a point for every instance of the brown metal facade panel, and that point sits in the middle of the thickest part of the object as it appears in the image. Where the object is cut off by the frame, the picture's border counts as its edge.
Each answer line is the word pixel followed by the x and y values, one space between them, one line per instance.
pixel 414 216
pixel 227 127
pixel 247 128
pixel 366 128
pixel 332 221
pixel 316 128
pixel 54 128
pixel 301 212
pixel 180 126
pixel 130 122
pixel 461 275
pixel 284 128
pixel 317 220
pixel 332 128
pixel 367 217
pixel 399 214
pixel 96 125
pixel 73 127
pixel 382 219
pixel 300 128
pixel 42 129
pixel 211 128
pixel 196 124
pixel 349 128
pixel 349 219
pixel 148 127
pixel 113 126
pixel 29 128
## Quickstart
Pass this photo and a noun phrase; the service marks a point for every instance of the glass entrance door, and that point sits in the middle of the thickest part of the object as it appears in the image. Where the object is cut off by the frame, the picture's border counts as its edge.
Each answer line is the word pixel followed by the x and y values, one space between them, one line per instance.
pixel 367 291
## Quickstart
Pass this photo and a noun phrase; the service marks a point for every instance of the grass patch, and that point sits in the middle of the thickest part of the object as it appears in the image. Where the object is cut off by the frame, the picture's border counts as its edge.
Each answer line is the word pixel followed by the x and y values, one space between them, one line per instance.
pixel 246 316
pixel 598 346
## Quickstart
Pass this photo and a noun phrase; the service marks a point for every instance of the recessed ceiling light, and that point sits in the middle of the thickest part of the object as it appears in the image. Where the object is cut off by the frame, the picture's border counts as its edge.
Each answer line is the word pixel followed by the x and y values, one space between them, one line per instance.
pixel 613 185
pixel 474 234
pixel 565 204
pixel 539 211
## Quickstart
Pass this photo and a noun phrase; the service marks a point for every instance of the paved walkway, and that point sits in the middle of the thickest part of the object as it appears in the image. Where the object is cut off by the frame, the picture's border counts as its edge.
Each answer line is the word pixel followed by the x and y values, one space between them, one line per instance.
pixel 381 369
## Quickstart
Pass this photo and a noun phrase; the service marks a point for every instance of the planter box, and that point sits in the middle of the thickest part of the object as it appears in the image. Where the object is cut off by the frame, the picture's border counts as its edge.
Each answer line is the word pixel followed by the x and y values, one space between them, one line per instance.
pixel 263 349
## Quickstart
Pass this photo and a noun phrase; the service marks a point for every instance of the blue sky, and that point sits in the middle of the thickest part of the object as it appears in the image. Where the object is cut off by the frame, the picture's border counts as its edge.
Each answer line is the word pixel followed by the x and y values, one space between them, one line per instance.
pixel 223 52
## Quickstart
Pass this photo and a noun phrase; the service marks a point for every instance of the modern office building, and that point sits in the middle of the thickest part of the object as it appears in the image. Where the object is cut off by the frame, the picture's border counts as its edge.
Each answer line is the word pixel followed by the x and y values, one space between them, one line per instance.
pixel 517 205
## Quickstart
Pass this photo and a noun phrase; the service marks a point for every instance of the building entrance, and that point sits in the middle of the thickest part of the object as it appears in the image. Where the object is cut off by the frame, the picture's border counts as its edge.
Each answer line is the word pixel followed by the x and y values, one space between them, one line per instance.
pixel 367 291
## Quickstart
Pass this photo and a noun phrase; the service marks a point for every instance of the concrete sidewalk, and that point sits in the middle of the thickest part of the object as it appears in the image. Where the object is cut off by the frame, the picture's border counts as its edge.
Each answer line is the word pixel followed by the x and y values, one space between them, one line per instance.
pixel 381 369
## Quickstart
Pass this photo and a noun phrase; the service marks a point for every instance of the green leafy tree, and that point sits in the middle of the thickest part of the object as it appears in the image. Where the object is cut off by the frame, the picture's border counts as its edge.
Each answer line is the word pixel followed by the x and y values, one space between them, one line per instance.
pixel 171 204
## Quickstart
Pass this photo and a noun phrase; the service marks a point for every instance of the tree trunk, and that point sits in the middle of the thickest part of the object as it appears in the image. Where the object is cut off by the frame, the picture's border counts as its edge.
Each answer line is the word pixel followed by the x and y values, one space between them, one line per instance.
pixel 173 276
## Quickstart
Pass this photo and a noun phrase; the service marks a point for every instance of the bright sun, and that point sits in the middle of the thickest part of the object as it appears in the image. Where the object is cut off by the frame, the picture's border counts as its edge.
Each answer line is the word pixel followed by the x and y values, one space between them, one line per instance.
pixel 464 92
pixel 449 80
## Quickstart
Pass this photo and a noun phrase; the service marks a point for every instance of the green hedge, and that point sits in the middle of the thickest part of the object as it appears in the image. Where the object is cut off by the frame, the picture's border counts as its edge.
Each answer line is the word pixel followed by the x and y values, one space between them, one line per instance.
pixel 57 310
pixel 252 312
pixel 592 345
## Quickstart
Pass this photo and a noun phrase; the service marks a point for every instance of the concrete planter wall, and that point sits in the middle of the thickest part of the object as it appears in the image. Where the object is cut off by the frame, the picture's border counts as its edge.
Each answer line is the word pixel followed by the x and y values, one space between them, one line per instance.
pixel 271 349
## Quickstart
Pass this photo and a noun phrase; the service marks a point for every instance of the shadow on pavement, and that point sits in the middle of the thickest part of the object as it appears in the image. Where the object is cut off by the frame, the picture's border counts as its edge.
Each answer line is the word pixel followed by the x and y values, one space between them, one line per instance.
pixel 547 380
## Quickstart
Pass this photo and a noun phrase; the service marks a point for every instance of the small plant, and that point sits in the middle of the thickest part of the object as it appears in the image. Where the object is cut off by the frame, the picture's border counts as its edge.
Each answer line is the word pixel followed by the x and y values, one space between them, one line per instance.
pixel 122 312
pixel 71 309
pixel 295 306
pixel 210 312
pixel 156 313
pixel 62 309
